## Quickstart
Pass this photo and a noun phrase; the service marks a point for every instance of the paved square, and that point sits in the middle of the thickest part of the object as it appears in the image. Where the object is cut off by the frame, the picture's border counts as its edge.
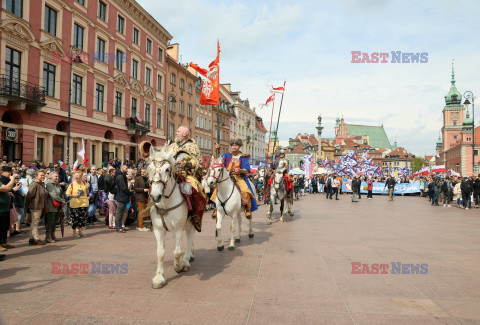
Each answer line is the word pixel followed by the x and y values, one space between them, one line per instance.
pixel 298 272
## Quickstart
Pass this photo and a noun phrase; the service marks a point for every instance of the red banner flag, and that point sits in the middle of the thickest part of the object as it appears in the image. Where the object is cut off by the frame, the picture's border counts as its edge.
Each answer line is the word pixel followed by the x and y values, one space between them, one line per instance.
pixel 211 82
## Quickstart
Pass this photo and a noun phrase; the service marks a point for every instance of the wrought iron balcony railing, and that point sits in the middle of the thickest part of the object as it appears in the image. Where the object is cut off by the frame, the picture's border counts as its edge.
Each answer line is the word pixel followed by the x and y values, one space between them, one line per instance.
pixel 22 90
pixel 133 124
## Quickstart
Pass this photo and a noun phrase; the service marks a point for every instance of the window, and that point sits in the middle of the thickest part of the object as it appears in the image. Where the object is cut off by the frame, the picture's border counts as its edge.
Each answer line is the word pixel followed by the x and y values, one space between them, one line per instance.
pixel 147 114
pixel 134 69
pixel 100 50
pixel 12 70
pixel 99 95
pixel 49 79
pixel 160 55
pixel 172 78
pixel 170 131
pixel 134 107
pixel 120 24
pixel 190 88
pixel 77 90
pixel 189 111
pixel 94 148
pixel 196 121
pixel 118 103
pixel 40 149
pixel 15 7
pixel 78 36
pixel 82 2
pixel 149 46
pixel 102 10
pixel 50 20
pixel 119 61
pixel 181 107
pixel 159 83
pixel 148 73
pixel 136 32
pixel 182 84
pixel 159 118
pixel 172 106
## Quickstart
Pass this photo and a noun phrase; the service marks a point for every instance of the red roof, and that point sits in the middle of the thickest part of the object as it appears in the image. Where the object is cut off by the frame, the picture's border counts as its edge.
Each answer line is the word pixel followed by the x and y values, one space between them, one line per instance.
pixel 259 125
pixel 401 152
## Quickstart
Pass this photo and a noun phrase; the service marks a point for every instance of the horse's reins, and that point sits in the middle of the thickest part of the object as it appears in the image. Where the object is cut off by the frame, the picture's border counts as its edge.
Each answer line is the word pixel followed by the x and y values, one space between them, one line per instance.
pixel 213 166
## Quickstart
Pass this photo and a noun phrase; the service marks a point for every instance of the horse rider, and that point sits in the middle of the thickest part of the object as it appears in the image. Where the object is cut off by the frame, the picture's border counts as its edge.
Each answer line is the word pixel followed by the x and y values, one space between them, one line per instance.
pixel 283 166
pixel 189 174
pixel 238 165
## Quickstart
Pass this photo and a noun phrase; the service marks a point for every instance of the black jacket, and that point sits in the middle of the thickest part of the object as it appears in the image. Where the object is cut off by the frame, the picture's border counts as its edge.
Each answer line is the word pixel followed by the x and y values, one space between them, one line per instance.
pixel 356 183
pixel 123 193
pixel 110 184
pixel 390 183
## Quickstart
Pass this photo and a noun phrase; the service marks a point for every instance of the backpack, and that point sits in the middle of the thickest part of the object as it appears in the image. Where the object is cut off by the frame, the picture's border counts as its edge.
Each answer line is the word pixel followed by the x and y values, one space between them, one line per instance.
pixel 329 181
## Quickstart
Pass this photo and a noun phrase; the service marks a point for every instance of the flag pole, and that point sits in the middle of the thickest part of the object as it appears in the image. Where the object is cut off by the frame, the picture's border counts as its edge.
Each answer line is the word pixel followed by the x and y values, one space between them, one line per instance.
pixel 218 131
pixel 270 133
pixel 278 121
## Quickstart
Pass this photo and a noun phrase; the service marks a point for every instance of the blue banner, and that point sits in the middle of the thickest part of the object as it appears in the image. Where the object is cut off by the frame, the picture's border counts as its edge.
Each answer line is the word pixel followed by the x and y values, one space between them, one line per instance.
pixel 379 188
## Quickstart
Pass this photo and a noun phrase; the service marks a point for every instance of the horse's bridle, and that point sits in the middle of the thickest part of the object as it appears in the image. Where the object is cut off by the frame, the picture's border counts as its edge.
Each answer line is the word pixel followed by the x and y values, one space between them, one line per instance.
pixel 213 166
pixel 157 179
pixel 279 184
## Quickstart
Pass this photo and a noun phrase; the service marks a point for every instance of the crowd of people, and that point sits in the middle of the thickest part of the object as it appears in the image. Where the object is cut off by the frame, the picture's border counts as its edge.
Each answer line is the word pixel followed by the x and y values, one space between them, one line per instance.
pixel 460 191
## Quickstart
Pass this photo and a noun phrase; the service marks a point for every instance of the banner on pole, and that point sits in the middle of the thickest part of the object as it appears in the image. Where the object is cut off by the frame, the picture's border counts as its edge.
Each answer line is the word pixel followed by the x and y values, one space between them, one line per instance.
pixel 379 188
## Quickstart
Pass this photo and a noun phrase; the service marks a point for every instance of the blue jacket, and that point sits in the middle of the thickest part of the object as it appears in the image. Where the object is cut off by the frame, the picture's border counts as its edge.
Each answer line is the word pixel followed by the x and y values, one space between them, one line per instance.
pixel 244 164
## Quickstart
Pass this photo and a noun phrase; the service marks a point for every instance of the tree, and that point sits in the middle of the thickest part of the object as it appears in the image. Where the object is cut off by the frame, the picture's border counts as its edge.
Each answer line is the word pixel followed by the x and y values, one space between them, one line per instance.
pixel 417 164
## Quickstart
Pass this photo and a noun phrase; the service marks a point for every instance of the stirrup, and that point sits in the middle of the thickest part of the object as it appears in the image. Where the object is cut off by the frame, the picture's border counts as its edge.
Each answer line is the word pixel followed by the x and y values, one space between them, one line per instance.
pixel 214 213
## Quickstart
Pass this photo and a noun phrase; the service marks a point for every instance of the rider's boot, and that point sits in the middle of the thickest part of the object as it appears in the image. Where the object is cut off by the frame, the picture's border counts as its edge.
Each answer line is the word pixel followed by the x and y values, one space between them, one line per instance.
pixel 248 211
pixel 214 213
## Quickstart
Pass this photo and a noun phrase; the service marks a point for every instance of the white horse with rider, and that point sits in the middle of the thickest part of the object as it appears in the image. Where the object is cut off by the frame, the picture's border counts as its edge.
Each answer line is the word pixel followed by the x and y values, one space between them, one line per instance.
pixel 169 213
pixel 278 190
pixel 228 202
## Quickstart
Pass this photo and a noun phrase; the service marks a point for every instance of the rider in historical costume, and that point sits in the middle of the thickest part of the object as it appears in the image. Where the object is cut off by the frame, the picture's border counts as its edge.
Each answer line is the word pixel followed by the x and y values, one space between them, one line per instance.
pixel 238 166
pixel 283 166
pixel 188 167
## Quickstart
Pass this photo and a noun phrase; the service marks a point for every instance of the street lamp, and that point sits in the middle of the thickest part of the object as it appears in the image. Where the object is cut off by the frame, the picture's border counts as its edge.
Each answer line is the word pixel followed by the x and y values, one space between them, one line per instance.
pixel 74 57
pixel 172 100
pixel 469 95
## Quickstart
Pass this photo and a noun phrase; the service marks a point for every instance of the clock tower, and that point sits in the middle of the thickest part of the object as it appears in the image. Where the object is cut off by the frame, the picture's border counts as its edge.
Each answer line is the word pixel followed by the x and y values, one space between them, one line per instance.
pixel 453 116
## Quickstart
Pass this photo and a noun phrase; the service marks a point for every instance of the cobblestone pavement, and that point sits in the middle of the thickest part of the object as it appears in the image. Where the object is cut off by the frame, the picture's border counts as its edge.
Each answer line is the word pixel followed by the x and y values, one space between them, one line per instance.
pixel 296 272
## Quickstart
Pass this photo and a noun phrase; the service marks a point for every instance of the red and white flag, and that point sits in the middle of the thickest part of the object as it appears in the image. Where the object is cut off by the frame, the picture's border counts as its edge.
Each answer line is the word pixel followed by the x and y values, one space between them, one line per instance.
pixel 82 154
pixel 211 83
pixel 75 165
pixel 280 90
pixel 62 164
pixel 269 100
pixel 139 120
pixel 438 169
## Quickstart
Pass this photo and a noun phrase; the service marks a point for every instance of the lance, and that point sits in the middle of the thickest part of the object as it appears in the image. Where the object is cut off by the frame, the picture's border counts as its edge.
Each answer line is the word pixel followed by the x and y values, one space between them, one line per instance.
pixel 278 122
pixel 270 133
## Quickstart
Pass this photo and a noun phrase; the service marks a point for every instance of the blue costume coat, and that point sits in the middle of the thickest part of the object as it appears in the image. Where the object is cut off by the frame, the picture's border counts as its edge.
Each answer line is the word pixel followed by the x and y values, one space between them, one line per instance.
pixel 244 164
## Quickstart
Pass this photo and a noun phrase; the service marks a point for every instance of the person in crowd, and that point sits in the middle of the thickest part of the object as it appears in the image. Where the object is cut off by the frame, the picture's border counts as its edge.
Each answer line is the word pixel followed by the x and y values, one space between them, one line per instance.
pixel 355 188
pixel 111 190
pixel 369 187
pixel 466 192
pixel 93 180
pixel 91 203
pixel 55 202
pixel 102 190
pixel 36 202
pixel 141 188
pixel 7 184
pixel 19 205
pixel 457 193
pixel 476 191
pixel 131 209
pixel 328 187
pixel 314 185
pixel 390 185
pixel 77 193
pixel 122 197
pixel 321 184
pixel 447 189
pixel 62 176
pixel 335 186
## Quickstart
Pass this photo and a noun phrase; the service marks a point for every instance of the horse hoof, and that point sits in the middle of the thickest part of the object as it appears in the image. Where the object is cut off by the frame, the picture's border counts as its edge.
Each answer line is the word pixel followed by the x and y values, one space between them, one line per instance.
pixel 192 259
pixel 231 248
pixel 251 235
pixel 291 214
pixel 281 220
pixel 237 240
pixel 220 248
pixel 184 269
pixel 158 285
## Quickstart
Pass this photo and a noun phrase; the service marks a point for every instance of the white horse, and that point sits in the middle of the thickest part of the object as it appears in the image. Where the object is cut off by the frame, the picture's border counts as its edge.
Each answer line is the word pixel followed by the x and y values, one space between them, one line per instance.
pixel 169 213
pixel 228 202
pixel 278 189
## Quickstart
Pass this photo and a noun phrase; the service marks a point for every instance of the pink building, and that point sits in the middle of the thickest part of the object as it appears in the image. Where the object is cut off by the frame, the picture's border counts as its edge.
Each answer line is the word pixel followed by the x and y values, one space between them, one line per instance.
pixel 118 90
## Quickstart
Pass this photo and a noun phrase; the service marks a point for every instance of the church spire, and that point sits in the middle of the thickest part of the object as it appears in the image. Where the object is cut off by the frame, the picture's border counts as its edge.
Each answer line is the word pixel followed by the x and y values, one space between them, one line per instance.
pixel 453 73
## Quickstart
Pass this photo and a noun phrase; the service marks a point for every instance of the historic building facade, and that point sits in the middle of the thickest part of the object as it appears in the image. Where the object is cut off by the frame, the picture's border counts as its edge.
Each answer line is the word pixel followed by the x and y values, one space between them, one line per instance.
pixel 117 79
pixel 259 146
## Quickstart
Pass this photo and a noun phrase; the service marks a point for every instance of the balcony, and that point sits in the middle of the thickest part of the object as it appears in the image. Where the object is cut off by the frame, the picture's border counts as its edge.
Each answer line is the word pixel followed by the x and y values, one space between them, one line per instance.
pixel 137 128
pixel 21 95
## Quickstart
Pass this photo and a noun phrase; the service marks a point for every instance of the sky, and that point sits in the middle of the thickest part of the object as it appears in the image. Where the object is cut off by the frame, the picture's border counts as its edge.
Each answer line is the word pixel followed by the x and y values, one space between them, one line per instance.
pixel 309 44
